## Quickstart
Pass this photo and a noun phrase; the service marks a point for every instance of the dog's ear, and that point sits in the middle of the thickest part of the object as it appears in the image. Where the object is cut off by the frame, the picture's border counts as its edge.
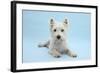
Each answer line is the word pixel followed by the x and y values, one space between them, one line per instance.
pixel 65 22
pixel 52 22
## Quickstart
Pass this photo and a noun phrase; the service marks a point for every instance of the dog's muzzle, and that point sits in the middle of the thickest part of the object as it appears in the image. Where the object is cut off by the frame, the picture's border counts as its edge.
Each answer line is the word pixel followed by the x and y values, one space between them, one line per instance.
pixel 58 36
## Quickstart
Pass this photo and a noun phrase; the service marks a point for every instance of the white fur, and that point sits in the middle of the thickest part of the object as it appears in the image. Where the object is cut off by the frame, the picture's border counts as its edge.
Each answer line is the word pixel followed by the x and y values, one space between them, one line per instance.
pixel 57 44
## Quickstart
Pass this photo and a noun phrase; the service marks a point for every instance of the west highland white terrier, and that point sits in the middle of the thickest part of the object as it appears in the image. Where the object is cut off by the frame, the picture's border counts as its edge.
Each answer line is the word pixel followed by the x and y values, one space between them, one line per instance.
pixel 58 43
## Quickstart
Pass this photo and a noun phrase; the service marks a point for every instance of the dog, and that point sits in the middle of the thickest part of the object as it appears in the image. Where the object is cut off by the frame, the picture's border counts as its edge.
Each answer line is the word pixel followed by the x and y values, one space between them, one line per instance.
pixel 58 43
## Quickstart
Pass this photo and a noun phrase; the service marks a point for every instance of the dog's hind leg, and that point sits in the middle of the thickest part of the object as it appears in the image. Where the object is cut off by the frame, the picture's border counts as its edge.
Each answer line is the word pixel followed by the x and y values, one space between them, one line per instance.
pixel 70 53
pixel 46 44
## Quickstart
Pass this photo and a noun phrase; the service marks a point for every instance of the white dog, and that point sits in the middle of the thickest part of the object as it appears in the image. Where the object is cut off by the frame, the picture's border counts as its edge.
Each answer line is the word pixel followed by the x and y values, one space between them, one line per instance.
pixel 57 44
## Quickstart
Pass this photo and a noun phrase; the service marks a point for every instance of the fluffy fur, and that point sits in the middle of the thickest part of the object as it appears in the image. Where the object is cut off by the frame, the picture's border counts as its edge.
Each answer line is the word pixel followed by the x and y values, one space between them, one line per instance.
pixel 58 43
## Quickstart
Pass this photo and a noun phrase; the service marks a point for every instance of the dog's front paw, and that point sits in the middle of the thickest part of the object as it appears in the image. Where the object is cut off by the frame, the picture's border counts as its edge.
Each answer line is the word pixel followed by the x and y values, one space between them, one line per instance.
pixel 74 55
pixel 55 54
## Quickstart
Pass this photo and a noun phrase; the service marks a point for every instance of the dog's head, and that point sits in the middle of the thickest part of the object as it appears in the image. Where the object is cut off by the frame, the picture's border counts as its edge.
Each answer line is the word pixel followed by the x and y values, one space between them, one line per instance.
pixel 58 30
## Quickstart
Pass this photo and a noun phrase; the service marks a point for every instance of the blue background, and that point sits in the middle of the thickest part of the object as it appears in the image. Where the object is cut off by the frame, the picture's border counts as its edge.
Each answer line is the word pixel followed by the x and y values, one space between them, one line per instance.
pixel 36 29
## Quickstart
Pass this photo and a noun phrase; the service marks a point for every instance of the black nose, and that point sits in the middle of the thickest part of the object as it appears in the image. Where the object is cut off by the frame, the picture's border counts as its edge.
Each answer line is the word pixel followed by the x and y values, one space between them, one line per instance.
pixel 58 37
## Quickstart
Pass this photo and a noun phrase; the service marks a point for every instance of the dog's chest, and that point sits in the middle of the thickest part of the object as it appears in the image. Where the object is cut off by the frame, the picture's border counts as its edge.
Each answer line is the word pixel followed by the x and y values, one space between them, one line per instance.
pixel 58 45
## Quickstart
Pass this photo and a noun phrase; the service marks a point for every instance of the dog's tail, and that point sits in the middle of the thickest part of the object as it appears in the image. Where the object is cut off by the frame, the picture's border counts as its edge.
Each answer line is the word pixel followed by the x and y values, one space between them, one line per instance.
pixel 46 44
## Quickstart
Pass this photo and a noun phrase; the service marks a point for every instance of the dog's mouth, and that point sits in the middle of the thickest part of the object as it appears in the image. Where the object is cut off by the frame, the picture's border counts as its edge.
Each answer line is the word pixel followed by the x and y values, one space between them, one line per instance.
pixel 59 39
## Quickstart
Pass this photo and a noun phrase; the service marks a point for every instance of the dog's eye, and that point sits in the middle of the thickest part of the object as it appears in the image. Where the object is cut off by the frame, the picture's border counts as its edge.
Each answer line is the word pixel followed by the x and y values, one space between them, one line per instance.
pixel 54 30
pixel 62 30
